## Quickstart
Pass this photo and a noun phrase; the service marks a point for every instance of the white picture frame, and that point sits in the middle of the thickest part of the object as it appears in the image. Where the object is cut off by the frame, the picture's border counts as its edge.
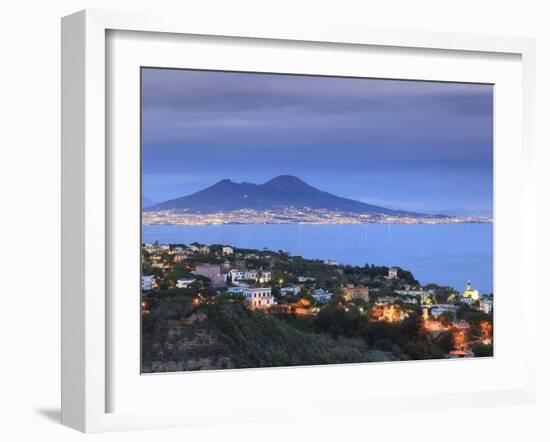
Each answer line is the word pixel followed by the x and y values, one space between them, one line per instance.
pixel 86 210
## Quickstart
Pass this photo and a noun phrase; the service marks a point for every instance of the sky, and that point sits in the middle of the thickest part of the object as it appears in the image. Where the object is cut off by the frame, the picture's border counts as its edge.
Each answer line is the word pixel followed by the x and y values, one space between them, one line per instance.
pixel 410 145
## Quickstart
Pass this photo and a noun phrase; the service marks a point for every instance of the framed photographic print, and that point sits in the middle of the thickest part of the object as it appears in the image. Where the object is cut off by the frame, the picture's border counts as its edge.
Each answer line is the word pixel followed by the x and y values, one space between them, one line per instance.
pixel 257 212
pixel 250 256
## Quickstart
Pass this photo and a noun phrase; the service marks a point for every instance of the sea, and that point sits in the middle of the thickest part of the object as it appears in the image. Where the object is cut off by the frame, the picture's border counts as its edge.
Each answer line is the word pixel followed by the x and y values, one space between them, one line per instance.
pixel 445 254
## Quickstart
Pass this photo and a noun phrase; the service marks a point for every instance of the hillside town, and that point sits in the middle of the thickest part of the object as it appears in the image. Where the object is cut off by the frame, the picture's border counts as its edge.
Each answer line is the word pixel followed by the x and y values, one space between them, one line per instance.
pixel 381 306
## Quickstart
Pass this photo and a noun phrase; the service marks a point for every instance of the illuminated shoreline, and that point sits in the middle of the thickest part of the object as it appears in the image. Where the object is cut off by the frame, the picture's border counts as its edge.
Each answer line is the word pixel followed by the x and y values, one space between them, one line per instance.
pixel 295 216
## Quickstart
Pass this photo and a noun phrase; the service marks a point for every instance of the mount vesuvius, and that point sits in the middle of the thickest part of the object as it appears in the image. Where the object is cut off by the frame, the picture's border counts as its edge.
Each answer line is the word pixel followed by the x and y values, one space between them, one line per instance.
pixel 284 191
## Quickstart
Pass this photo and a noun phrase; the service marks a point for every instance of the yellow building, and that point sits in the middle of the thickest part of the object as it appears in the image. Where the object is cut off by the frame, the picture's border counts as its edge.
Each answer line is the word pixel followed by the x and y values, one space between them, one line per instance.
pixel 470 292
pixel 351 292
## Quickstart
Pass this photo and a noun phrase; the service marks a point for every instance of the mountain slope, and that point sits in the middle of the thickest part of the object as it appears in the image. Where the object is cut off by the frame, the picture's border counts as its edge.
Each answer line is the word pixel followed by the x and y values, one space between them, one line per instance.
pixel 282 191
pixel 146 202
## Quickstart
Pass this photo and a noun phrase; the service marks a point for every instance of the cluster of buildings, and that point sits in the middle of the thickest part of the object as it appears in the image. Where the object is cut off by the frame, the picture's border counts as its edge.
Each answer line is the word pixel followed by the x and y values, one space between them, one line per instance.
pixel 258 276
pixel 433 323
pixel 247 283
pixel 254 285
pixel 437 317
pixel 219 278
pixel 229 272
pixel 285 215
pixel 240 280
pixel 470 295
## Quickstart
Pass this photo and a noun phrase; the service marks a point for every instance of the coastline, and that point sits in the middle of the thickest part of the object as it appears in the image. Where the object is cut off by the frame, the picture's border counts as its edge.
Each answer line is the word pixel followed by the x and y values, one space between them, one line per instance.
pixel 448 254
pixel 316 218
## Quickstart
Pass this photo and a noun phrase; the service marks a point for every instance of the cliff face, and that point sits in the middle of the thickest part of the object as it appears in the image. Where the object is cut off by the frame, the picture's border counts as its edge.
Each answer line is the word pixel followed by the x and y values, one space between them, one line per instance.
pixel 230 336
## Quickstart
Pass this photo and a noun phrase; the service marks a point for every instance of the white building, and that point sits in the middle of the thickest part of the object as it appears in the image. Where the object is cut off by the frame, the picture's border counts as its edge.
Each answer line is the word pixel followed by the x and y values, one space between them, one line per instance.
pixel 152 247
pixel 486 305
pixel 184 283
pixel 385 300
pixel 251 275
pixel 409 292
pixel 258 297
pixel 439 309
pixel 290 290
pixel 305 279
pixel 148 282
pixel 236 275
pixel 236 290
pixel 330 262
pixel 264 277
pixel 392 273
pixel 226 250
pixel 205 250
pixel 322 296
pixel 408 300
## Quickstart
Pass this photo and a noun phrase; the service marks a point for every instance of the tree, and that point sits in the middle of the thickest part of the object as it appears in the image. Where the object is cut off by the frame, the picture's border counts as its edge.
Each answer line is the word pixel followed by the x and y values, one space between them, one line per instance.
pixel 482 350
pixel 411 327
pixel 446 318
pixel 383 344
pixel 415 350
pixel 445 342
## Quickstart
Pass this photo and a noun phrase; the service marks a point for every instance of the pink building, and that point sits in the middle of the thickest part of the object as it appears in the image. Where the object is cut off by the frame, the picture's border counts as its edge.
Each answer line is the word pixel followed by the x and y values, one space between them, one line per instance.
pixel 212 272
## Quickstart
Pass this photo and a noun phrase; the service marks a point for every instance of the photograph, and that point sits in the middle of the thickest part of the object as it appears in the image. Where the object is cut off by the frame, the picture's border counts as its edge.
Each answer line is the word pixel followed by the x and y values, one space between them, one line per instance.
pixel 279 220
pixel 302 220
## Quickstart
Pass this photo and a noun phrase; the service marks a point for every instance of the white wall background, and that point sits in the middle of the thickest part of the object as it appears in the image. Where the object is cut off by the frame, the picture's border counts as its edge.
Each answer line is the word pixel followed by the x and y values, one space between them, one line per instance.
pixel 30 214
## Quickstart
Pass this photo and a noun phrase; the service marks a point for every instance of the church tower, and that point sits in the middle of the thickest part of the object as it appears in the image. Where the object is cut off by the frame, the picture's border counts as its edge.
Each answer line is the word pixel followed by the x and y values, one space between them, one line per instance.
pixel 470 292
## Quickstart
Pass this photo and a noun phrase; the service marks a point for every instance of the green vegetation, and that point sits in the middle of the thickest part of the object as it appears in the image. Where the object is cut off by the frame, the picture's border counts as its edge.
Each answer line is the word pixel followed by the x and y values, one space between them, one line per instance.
pixel 257 339
pixel 482 350
pixel 204 326
pixel 231 336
